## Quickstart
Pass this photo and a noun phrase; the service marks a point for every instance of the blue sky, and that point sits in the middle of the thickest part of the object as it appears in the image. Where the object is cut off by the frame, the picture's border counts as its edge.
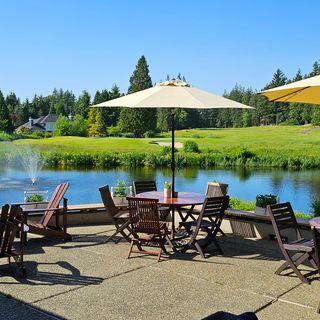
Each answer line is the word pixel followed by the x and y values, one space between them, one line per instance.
pixel 76 45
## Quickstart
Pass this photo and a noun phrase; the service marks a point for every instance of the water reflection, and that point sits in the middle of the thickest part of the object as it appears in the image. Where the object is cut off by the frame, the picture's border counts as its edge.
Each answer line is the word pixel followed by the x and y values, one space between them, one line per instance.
pixel 299 187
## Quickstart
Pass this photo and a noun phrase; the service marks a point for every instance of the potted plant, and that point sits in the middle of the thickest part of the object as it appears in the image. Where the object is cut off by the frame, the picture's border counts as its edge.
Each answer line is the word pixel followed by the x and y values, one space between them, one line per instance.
pixel 262 201
pixel 120 192
pixel 36 196
pixel 167 190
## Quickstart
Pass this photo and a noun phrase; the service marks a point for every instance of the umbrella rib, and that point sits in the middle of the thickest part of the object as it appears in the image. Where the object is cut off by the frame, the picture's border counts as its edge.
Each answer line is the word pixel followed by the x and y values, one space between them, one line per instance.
pixel 289 95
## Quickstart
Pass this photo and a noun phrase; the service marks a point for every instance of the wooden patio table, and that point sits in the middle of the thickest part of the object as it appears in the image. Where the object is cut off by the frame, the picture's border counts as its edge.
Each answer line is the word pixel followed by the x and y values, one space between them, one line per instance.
pixel 315 222
pixel 183 199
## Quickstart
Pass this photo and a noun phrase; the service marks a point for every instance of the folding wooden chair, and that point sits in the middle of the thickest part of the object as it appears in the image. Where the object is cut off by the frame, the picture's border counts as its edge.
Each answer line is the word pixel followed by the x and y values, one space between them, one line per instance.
pixel 147 186
pixel 297 251
pixel 119 219
pixel 316 241
pixel 209 220
pixel 147 229
pixel 11 224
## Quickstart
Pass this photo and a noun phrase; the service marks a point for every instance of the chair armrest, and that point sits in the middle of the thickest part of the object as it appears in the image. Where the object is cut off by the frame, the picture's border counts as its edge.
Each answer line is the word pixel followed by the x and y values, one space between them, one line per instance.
pixel 41 210
pixel 30 203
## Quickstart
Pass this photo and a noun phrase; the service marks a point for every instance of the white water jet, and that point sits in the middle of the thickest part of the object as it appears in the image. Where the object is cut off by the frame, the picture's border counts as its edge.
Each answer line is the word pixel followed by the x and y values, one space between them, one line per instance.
pixel 30 160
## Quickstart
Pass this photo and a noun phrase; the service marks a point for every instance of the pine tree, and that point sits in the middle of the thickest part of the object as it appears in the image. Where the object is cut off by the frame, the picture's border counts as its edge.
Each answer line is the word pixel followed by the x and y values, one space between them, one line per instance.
pixel 82 104
pixel 138 121
pixel 5 120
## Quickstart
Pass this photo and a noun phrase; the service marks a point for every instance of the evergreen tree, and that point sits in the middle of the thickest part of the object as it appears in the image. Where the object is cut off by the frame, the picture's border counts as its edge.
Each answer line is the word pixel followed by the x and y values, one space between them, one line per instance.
pixel 15 110
pixel 138 121
pixel 96 123
pixel 5 120
pixel 82 104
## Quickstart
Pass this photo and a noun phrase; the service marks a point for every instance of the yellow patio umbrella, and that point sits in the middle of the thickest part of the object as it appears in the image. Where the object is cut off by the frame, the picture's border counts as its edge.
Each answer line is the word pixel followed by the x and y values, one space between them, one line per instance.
pixel 173 94
pixel 304 91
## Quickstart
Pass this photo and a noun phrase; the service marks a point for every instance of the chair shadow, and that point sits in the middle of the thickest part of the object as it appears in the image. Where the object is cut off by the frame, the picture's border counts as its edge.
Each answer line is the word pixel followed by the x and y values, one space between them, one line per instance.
pixel 35 277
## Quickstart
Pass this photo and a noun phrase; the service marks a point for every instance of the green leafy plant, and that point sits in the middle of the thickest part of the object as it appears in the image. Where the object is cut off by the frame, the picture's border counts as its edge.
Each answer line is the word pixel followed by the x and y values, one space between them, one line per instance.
pixel 120 189
pixel 167 185
pixel 191 146
pixel 263 200
pixel 35 198
pixel 315 207
pixel 240 204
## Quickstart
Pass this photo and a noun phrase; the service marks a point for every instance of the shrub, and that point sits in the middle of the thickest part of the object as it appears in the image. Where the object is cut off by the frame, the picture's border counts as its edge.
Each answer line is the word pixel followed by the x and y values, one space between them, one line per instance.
pixel 239 204
pixel 315 207
pixel 191 146
pixel 128 135
pixel 150 134
pixel 114 131
pixel 263 200
pixel 195 136
pixel 289 122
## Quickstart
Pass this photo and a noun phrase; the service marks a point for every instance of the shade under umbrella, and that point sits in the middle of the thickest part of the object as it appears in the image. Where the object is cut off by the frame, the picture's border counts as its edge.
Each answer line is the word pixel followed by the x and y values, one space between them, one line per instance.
pixel 173 94
pixel 304 91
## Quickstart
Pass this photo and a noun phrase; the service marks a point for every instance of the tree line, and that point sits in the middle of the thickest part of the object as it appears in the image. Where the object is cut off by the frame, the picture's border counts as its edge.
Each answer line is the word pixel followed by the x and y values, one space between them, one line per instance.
pixel 147 122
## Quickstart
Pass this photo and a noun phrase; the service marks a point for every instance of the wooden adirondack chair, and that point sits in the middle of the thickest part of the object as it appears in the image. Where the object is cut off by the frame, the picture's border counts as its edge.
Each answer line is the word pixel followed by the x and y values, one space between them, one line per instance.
pixel 11 225
pixel 42 227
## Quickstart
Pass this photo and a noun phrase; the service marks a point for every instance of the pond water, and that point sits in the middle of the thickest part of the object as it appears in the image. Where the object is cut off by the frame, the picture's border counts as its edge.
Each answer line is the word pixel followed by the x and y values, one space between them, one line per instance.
pixel 298 187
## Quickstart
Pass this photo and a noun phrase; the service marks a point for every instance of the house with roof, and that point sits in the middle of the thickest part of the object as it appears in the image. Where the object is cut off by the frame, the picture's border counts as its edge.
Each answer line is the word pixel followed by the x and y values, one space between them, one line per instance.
pixel 44 124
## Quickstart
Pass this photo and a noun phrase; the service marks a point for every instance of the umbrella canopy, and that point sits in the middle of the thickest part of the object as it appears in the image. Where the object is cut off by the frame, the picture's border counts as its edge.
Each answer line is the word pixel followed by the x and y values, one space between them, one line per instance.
pixel 173 94
pixel 304 91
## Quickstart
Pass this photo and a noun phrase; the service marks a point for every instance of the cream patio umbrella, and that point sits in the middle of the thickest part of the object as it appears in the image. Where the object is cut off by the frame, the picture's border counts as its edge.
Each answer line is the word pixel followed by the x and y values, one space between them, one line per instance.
pixel 304 91
pixel 173 94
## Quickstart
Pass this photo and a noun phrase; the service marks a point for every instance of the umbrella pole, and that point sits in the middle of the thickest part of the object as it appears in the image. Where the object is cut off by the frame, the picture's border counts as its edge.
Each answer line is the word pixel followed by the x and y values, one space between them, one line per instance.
pixel 173 165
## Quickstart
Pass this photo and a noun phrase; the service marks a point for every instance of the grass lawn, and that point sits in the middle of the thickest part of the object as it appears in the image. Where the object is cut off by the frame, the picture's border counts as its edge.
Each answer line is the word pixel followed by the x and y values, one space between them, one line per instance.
pixel 302 140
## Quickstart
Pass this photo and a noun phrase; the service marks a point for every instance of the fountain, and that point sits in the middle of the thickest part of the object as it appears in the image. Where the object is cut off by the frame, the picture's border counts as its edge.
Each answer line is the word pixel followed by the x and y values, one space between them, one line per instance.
pixel 31 162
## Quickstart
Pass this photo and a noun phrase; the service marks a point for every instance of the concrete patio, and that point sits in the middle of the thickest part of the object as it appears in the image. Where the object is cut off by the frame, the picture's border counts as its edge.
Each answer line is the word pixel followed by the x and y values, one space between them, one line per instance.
pixel 88 279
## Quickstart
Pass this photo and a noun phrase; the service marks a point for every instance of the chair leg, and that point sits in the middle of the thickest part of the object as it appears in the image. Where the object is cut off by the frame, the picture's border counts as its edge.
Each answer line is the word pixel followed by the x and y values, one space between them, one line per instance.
pixel 199 249
pixel 130 249
pixel 294 267
pixel 170 243
pixel 159 254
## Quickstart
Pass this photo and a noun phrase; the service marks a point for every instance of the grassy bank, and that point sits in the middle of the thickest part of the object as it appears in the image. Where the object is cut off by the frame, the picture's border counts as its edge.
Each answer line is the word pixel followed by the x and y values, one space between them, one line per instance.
pixel 282 147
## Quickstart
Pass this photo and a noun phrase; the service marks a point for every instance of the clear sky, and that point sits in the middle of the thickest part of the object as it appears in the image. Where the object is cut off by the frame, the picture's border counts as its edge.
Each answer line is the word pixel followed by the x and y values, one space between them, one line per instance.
pixel 92 44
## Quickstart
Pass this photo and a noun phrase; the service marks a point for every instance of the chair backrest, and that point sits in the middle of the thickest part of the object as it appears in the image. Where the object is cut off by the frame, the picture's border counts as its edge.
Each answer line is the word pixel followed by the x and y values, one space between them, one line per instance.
pixel 144 186
pixel 108 202
pixel 283 218
pixel 10 224
pixel 316 241
pixel 54 202
pixel 216 189
pixel 144 215
pixel 215 207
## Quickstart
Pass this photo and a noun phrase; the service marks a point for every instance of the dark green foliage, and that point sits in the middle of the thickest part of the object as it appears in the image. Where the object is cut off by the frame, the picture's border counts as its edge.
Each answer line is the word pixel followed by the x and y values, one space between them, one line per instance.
pixel 315 207
pixel 5 119
pixel 263 200
pixel 82 104
pixel 191 146
pixel 65 127
pixel 138 121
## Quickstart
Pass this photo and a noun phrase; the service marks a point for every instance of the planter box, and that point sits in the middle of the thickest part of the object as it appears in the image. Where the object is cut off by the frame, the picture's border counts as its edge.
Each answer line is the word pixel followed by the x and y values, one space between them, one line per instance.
pixel 121 199
pixel 44 195
pixel 260 211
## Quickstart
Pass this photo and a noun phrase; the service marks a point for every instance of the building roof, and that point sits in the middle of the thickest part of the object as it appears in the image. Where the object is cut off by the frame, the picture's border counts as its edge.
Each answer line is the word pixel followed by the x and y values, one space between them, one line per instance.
pixel 40 122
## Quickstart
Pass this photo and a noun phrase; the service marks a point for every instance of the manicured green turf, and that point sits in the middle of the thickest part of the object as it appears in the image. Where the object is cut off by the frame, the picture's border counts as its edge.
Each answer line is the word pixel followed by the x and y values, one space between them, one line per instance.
pixel 293 140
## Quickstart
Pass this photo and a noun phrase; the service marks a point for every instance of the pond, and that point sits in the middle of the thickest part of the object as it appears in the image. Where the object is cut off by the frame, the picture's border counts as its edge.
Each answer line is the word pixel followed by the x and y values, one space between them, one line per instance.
pixel 298 187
